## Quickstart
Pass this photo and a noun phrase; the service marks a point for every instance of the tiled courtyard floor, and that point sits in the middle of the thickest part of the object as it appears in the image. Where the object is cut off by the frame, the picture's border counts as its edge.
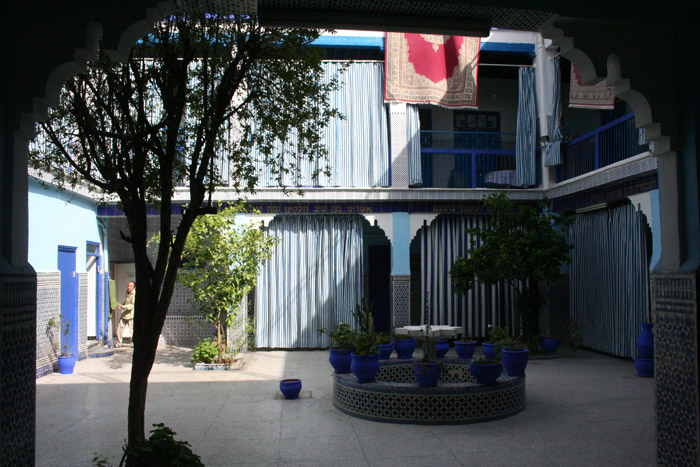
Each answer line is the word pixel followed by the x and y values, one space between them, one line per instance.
pixel 584 409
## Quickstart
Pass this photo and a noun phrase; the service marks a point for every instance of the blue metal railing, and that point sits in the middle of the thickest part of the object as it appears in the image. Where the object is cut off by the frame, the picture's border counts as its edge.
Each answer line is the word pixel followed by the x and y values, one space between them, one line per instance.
pixel 610 143
pixel 469 160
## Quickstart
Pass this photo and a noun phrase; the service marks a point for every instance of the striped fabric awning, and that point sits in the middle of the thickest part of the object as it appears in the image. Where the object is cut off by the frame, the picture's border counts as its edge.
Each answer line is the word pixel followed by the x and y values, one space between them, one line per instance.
pixel 526 130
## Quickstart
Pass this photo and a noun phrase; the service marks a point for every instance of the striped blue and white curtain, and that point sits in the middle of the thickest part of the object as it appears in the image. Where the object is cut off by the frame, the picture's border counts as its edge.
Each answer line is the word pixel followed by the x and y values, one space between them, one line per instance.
pixel 358 145
pixel 312 281
pixel 526 130
pixel 415 177
pixel 442 242
pixel 552 150
pixel 609 278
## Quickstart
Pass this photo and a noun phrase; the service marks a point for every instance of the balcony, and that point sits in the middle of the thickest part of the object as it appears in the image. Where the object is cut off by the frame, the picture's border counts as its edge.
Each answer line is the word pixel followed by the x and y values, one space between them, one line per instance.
pixel 605 145
pixel 462 159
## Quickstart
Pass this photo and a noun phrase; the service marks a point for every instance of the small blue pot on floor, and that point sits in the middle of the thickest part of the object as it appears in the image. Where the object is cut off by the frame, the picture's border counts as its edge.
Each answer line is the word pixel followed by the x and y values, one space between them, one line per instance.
pixel 66 364
pixel 365 367
pixel 489 350
pixel 486 373
pixel 404 348
pixel 385 351
pixel 645 342
pixel 644 366
pixel 550 345
pixel 441 348
pixel 290 388
pixel 465 349
pixel 427 373
pixel 340 360
pixel 515 361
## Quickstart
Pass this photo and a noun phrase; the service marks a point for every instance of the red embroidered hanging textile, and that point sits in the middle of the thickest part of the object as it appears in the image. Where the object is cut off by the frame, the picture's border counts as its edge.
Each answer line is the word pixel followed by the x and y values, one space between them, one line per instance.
pixel 597 96
pixel 431 68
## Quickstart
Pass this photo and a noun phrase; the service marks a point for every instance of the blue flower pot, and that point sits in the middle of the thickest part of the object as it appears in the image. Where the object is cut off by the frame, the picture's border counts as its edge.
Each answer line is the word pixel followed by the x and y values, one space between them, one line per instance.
pixel 489 350
pixel 66 364
pixel 486 373
pixel 550 345
pixel 404 348
pixel 340 360
pixel 515 361
pixel 365 367
pixel 645 342
pixel 441 348
pixel 290 388
pixel 644 366
pixel 465 350
pixel 427 373
pixel 385 351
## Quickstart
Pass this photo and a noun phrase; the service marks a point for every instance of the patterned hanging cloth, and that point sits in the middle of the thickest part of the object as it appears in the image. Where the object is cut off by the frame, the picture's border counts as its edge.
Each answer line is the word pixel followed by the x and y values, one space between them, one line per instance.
pixel 432 68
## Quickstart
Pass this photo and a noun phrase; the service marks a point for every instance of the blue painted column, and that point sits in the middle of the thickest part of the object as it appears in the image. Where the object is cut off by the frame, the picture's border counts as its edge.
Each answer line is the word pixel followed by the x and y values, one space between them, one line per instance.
pixel 400 270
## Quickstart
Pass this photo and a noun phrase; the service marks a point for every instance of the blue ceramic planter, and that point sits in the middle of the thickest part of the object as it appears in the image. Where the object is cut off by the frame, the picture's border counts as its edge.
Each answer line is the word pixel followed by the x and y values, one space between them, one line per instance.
pixel 550 345
pixel 404 348
pixel 385 351
pixel 515 361
pixel 441 348
pixel 290 388
pixel 427 373
pixel 644 366
pixel 489 350
pixel 66 364
pixel 486 373
pixel 365 367
pixel 465 349
pixel 645 342
pixel 340 360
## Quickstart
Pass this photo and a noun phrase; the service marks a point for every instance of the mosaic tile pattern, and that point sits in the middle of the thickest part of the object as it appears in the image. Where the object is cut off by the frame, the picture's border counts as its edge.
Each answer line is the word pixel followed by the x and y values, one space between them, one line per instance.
pixel 236 338
pixel 674 302
pixel 18 293
pixel 401 300
pixel 186 331
pixel 48 304
pixel 395 397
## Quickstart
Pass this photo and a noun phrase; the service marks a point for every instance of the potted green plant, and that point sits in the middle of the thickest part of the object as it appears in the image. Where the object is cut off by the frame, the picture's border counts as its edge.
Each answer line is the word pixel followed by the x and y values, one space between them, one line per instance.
pixel 465 347
pixel 365 359
pixel 386 345
pixel 497 338
pixel 485 370
pixel 342 345
pixel 427 369
pixel 66 360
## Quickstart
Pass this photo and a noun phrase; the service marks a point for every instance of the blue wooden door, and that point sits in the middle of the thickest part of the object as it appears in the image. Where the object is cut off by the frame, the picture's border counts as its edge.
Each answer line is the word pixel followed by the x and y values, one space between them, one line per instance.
pixel 69 296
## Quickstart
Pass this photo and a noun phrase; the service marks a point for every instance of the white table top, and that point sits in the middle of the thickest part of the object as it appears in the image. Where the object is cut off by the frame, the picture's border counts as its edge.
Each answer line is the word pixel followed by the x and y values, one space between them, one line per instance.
pixel 436 331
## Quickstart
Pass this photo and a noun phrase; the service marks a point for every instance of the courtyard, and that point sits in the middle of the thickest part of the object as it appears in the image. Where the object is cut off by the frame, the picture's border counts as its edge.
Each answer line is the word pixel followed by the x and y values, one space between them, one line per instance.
pixel 584 409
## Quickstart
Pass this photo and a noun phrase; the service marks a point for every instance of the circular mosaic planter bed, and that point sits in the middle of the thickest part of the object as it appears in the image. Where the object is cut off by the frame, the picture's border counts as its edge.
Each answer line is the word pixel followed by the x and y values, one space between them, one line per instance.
pixel 396 398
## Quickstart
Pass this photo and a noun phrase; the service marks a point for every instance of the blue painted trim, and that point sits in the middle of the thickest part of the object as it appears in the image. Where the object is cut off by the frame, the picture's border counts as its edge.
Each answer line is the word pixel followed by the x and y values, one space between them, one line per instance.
pixel 511 47
pixel 468 151
pixel 400 247
pixel 377 43
pixel 350 42
pixel 624 118
pixel 655 262
pixel 67 249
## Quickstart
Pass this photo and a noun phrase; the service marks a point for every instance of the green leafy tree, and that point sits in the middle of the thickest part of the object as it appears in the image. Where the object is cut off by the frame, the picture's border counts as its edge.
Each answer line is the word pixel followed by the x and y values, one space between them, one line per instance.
pixel 135 130
pixel 221 263
pixel 523 247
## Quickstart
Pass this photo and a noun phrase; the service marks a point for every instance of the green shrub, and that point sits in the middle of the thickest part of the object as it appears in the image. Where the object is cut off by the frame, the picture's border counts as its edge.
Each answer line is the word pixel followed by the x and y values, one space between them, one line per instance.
pixel 206 351
pixel 161 449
